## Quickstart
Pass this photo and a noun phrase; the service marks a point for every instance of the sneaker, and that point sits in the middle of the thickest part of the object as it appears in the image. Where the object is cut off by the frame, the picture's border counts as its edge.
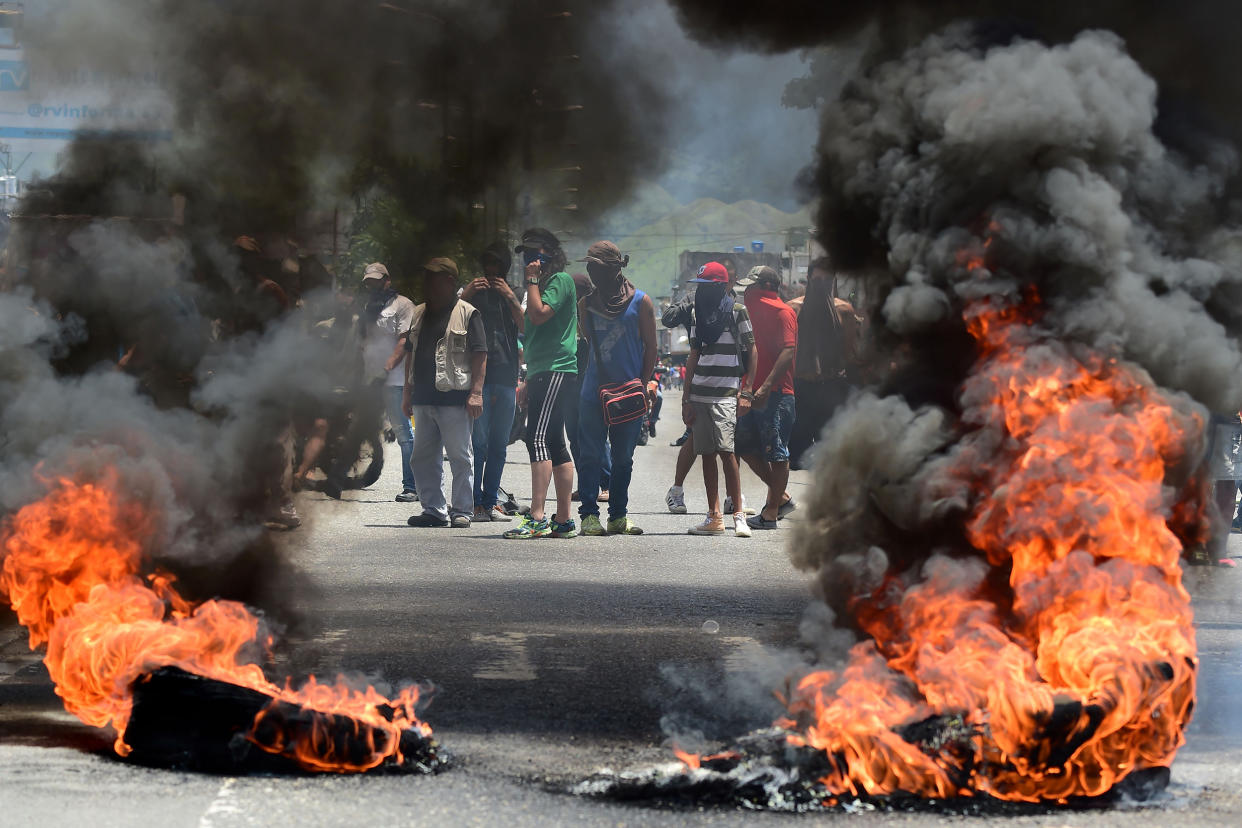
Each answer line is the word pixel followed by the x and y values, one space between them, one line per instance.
pixel 460 522
pixel 685 435
pixel 760 522
pixel 651 428
pixel 746 510
pixel 483 514
pixel 623 526
pixel 710 526
pixel 785 508
pixel 529 528
pixel 740 527
pixel 407 496
pixel 427 521
pixel 676 500
pixel 284 518
pixel 499 515
pixel 592 527
pixel 568 529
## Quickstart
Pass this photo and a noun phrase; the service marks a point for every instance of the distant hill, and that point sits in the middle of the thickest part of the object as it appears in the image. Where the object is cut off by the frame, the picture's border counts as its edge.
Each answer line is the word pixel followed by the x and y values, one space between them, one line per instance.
pixel 704 224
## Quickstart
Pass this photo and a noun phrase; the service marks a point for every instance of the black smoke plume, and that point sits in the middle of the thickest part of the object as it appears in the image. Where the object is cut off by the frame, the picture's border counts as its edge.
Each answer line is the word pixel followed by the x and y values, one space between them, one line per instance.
pixel 1024 191
pixel 135 338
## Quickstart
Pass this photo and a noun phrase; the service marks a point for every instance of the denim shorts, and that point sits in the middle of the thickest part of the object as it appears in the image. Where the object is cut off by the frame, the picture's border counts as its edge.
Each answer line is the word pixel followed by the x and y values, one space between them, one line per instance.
pixel 767 430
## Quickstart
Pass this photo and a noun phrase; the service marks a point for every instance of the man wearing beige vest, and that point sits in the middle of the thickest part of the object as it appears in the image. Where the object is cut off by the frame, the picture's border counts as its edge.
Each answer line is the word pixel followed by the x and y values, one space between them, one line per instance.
pixel 445 369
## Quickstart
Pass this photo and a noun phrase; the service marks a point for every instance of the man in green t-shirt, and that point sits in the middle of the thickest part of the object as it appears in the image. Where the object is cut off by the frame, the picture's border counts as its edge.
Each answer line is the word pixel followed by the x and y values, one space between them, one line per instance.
pixel 551 363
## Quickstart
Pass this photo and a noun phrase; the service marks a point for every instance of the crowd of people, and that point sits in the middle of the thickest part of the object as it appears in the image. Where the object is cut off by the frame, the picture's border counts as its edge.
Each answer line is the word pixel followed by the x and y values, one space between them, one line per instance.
pixel 591 391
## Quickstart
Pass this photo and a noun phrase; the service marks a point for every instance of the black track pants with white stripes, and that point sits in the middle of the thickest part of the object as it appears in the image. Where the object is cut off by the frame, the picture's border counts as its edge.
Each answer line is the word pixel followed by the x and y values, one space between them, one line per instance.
pixel 545 416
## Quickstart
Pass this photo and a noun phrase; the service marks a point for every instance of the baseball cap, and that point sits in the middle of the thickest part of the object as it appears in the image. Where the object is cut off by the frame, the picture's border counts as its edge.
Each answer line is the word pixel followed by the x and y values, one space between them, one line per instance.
pixel 442 264
pixel 605 253
pixel 537 237
pixel 374 270
pixel 762 273
pixel 712 273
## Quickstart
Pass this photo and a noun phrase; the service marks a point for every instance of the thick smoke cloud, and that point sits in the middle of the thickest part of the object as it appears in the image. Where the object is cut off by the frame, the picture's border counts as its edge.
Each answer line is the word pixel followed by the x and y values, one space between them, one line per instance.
pixel 278 109
pixel 1080 161
pixel 272 111
pixel 1055 147
pixel 966 171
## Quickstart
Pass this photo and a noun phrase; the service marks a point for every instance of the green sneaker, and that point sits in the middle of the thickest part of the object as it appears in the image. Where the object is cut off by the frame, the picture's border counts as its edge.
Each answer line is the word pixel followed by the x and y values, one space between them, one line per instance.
pixel 568 529
pixel 529 528
pixel 591 526
pixel 623 526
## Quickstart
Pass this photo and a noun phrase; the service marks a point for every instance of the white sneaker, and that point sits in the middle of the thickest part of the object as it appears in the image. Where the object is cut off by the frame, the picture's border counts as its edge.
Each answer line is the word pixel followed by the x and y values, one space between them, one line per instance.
pixel 746 510
pixel 676 500
pixel 740 527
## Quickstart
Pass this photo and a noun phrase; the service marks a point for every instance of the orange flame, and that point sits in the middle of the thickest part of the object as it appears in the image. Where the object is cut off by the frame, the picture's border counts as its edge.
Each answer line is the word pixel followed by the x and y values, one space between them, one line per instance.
pixel 71 571
pixel 1084 669
pixel 691 760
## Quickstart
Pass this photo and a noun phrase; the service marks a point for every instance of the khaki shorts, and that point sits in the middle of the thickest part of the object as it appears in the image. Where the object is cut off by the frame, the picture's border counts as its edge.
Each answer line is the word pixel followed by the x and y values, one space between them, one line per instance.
pixel 714 426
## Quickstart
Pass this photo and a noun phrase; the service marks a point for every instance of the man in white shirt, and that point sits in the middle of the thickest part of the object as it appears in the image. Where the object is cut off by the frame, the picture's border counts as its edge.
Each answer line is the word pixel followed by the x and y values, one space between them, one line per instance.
pixel 386 319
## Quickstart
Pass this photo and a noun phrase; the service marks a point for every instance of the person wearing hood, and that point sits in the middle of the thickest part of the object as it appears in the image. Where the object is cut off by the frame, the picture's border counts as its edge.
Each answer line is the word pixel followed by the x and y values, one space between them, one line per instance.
pixel 503 321
pixel 618 321
pixel 719 373
pixel 385 319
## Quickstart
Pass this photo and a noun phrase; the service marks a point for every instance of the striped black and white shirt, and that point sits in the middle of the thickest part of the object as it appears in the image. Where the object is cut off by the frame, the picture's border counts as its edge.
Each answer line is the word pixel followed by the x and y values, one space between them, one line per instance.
pixel 720 367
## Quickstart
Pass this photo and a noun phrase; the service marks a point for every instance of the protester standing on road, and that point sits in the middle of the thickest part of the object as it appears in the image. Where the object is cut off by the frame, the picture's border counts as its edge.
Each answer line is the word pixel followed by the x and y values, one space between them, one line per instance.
pixel 680 314
pixel 584 288
pixel 721 365
pixel 763 434
pixel 385 319
pixel 619 321
pixel 446 368
pixel 551 367
pixel 503 322
pixel 827 356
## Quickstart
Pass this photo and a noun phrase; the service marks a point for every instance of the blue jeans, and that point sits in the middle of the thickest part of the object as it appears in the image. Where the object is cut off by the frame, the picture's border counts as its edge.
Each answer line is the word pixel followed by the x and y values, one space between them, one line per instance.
pixel 491 442
pixel 405 434
pixel 594 441
pixel 572 406
pixel 766 432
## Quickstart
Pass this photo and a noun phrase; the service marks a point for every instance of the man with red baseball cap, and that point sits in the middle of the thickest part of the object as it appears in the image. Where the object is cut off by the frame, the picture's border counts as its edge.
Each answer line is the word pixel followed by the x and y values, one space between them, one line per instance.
pixel 719 370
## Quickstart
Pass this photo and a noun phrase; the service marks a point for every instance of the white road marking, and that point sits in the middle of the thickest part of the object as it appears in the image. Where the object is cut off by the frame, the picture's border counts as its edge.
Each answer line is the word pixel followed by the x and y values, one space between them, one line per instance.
pixel 224 810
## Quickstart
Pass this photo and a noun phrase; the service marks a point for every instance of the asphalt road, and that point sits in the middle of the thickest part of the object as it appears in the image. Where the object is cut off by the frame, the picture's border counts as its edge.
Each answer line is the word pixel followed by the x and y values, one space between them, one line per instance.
pixel 551 659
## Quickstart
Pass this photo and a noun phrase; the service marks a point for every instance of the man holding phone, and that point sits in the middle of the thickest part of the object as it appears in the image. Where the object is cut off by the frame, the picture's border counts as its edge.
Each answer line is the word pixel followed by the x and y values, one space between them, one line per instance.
pixel 503 320
pixel 551 368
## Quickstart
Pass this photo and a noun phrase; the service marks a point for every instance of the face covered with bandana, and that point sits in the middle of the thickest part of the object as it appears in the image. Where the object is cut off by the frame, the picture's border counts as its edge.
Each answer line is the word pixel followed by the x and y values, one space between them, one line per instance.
pixel 613 292
pixel 713 306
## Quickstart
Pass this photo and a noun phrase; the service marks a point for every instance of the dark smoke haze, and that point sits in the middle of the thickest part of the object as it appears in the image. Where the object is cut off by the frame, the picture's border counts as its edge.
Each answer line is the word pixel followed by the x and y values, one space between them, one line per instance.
pixel 1084 152
pixel 277 109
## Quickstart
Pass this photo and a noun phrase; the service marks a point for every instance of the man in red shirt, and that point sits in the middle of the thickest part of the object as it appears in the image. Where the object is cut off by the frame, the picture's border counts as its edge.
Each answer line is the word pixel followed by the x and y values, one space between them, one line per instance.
pixel 763 433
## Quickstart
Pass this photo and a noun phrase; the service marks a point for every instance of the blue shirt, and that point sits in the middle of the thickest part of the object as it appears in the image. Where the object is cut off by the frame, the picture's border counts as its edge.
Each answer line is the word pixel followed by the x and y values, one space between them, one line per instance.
pixel 620 346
